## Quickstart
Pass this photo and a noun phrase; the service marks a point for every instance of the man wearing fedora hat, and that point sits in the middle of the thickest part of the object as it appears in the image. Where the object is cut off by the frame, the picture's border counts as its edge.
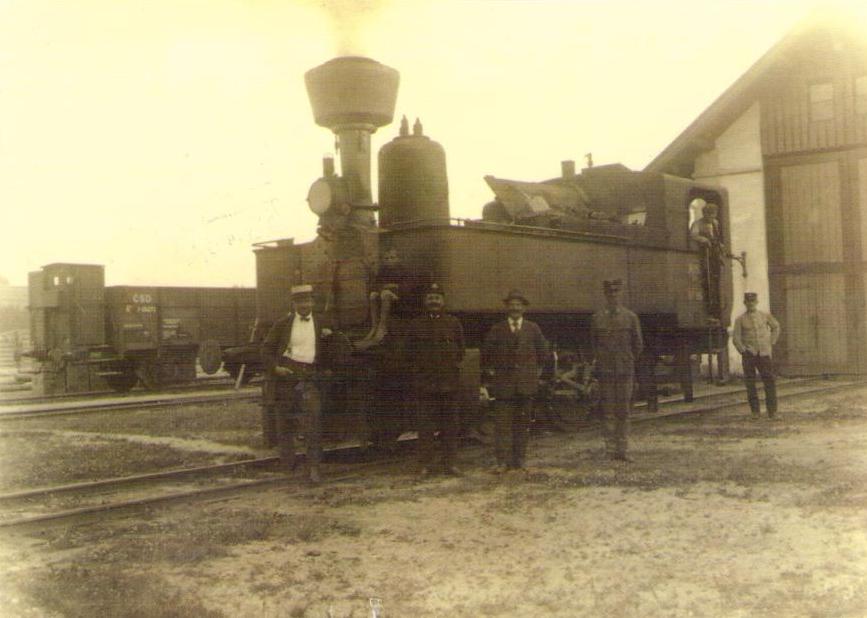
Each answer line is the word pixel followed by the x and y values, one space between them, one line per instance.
pixel 513 356
pixel 617 343
pixel 435 349
pixel 292 356
pixel 754 335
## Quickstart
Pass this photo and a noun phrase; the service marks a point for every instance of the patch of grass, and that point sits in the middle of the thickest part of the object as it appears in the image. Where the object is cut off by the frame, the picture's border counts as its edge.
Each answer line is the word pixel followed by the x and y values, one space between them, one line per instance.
pixel 212 536
pixel 58 460
pixel 93 589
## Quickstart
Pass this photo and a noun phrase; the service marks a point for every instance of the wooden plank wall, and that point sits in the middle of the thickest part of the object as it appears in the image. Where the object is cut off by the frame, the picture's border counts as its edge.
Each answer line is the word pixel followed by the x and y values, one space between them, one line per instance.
pixel 815 323
pixel 786 123
pixel 811 217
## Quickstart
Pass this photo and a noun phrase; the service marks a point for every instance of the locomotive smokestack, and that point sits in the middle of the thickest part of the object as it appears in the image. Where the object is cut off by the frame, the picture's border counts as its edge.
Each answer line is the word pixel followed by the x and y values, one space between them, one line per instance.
pixel 353 97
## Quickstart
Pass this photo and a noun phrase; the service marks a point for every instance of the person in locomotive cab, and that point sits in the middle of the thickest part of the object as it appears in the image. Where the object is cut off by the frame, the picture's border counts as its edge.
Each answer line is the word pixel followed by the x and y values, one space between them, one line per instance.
pixel 435 349
pixel 617 343
pixel 755 333
pixel 293 360
pixel 514 354
pixel 705 232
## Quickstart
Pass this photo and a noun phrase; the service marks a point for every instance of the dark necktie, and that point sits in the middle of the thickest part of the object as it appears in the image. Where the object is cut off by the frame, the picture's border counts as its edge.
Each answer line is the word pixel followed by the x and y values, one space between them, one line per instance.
pixel 305 319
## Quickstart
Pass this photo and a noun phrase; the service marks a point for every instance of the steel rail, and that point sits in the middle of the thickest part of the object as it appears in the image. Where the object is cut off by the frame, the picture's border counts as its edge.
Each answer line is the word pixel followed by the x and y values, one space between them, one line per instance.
pixel 345 472
pixel 204 384
pixel 153 401
pixel 136 478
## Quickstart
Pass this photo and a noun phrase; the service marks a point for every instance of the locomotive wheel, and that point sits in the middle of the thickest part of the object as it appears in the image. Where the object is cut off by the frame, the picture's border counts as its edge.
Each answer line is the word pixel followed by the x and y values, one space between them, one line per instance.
pixel 124 380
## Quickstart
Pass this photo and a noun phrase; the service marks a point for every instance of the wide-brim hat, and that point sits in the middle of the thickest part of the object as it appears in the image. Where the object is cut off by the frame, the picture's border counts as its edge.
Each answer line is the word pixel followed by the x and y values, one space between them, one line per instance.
pixel 298 291
pixel 612 285
pixel 516 295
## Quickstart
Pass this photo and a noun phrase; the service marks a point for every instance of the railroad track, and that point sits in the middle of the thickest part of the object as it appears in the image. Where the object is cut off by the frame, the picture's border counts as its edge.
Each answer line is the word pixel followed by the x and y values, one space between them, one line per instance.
pixel 145 401
pixel 201 384
pixel 62 505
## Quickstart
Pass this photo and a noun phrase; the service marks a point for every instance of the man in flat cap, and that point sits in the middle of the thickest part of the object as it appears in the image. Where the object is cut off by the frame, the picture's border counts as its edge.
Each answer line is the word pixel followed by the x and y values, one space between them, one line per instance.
pixel 706 233
pixel 293 358
pixel 513 356
pixel 435 349
pixel 617 343
pixel 754 335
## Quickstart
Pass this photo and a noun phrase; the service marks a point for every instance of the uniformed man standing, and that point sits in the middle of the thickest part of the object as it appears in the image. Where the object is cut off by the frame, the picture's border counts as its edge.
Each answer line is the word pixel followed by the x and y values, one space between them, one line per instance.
pixel 435 349
pixel 292 355
pixel 617 343
pixel 754 335
pixel 513 356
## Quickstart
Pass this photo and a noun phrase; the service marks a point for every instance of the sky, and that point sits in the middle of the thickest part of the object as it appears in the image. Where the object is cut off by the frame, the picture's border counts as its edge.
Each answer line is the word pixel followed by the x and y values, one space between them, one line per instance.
pixel 162 138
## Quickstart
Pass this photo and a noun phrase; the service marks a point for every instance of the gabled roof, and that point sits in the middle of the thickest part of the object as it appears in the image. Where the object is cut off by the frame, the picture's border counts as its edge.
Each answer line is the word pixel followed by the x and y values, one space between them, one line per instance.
pixel 699 136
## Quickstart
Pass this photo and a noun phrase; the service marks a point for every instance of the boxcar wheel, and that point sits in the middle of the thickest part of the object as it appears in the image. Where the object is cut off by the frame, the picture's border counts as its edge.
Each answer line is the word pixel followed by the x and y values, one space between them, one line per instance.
pixel 123 380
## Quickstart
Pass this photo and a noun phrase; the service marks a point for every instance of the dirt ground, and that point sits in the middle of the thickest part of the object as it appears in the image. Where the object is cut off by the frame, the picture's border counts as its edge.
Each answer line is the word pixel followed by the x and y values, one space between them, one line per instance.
pixel 717 516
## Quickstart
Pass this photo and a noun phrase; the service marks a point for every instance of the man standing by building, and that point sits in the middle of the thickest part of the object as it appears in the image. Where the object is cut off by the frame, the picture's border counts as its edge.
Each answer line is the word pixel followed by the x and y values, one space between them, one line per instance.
pixel 434 350
pixel 513 356
pixel 617 343
pixel 292 355
pixel 754 335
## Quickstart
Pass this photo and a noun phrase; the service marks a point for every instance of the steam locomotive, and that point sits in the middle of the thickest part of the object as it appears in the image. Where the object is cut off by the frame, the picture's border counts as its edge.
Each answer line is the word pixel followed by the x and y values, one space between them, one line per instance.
pixel 556 240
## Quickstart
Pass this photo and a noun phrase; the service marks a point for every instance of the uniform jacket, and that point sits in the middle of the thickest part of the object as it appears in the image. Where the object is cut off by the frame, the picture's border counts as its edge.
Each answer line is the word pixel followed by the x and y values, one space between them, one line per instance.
pixel 511 362
pixel 755 332
pixel 277 339
pixel 434 349
pixel 617 341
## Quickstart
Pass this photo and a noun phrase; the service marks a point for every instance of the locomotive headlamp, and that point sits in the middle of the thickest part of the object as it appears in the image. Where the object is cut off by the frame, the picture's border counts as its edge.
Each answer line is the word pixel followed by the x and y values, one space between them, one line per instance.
pixel 327 194
pixel 320 197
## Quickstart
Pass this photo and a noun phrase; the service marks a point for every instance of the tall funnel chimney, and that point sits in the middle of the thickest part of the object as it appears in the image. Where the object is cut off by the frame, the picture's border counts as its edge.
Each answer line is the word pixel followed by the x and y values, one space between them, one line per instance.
pixel 353 96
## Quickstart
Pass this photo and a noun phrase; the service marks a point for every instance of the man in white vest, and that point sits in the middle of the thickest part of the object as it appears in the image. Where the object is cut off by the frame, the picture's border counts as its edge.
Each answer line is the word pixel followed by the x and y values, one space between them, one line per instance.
pixel 292 357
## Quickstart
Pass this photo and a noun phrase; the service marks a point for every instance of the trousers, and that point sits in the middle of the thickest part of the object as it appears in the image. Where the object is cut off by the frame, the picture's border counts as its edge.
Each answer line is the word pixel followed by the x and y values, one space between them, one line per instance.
pixel 616 395
pixel 512 429
pixel 437 412
pixel 765 367
pixel 299 410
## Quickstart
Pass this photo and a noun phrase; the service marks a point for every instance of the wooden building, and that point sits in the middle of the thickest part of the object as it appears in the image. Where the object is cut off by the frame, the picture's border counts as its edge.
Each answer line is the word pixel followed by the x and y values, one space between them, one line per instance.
pixel 789 141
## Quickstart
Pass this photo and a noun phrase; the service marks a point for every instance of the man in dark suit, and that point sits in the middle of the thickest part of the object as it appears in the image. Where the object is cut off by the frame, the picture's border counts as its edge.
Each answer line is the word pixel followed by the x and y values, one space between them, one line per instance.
pixel 292 355
pixel 435 349
pixel 617 342
pixel 513 356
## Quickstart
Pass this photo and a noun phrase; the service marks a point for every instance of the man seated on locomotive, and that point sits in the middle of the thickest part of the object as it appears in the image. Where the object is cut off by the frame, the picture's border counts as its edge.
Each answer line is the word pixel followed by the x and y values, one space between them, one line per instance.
pixel 705 232
pixel 392 295
pixel 294 361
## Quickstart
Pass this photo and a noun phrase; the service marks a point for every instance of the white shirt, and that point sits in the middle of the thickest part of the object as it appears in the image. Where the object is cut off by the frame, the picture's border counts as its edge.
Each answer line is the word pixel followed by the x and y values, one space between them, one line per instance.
pixel 302 340
pixel 515 325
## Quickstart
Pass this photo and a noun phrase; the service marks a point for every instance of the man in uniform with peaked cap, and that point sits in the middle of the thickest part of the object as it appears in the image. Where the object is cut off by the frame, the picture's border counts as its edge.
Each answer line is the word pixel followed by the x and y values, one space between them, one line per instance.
pixel 617 343
pixel 292 355
pixel 513 356
pixel 435 349
pixel 754 335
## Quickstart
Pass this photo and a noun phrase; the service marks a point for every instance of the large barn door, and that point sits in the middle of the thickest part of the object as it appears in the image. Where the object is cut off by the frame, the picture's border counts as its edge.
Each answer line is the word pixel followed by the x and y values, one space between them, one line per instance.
pixel 811 213
pixel 815 322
